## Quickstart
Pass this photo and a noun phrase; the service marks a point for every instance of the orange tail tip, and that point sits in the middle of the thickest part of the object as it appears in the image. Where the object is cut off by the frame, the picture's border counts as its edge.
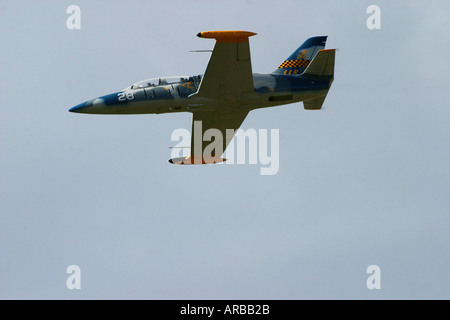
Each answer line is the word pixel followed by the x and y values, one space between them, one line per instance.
pixel 229 36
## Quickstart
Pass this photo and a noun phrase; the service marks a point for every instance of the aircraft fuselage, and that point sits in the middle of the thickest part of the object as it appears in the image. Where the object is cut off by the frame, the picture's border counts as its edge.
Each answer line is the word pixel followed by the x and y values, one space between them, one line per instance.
pixel 179 95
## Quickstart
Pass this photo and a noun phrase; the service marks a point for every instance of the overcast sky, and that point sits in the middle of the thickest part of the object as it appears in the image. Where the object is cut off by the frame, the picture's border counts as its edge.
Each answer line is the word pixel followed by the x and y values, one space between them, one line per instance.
pixel 365 181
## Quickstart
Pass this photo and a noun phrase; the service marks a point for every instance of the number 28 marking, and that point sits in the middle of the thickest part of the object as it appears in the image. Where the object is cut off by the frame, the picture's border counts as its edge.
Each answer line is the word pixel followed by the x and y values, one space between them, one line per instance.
pixel 125 96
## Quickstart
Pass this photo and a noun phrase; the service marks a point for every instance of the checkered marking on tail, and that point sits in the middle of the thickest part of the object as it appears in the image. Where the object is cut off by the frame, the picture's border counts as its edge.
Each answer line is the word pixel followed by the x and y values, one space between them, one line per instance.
pixel 294 64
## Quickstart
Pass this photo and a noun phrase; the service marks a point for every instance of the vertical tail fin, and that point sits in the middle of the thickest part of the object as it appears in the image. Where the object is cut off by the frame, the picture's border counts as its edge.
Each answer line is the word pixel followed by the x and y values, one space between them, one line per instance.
pixel 297 62
pixel 320 68
pixel 322 64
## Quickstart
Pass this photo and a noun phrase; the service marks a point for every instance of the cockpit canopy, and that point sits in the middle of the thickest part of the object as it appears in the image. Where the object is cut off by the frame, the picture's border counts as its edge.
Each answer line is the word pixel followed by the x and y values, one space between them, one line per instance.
pixel 160 81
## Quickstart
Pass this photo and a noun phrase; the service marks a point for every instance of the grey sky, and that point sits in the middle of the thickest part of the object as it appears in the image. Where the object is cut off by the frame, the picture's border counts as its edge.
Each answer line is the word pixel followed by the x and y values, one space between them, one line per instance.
pixel 364 181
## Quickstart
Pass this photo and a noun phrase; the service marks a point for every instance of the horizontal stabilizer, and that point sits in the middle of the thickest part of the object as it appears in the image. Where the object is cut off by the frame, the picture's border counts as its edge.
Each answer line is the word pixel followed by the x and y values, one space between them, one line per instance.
pixel 322 65
pixel 314 104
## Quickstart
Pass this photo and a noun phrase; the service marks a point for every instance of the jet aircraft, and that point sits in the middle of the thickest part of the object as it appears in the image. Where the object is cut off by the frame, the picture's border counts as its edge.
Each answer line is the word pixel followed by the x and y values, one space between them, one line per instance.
pixel 222 97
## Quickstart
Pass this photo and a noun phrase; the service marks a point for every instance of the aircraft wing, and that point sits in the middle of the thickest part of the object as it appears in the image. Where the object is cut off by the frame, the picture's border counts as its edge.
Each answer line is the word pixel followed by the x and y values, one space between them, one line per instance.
pixel 229 70
pixel 227 76
pixel 211 133
pixel 216 141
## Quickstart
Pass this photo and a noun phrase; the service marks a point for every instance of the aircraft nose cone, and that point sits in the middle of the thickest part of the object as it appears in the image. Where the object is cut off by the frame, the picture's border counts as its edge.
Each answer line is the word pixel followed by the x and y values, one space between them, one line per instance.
pixel 78 108
pixel 95 106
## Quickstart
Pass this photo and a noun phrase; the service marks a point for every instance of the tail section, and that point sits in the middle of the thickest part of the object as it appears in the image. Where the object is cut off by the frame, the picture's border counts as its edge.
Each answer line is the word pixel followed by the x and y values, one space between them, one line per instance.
pixel 314 104
pixel 322 69
pixel 297 62
pixel 322 64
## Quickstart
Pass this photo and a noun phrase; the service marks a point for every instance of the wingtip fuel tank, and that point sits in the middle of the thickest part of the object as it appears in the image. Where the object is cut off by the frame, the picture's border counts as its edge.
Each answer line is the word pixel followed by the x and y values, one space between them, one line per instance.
pixel 196 160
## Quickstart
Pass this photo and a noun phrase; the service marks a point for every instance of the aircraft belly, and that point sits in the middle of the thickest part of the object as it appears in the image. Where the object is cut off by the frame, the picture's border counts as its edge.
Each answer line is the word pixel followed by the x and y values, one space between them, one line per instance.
pixel 277 98
pixel 136 107
pixel 147 107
